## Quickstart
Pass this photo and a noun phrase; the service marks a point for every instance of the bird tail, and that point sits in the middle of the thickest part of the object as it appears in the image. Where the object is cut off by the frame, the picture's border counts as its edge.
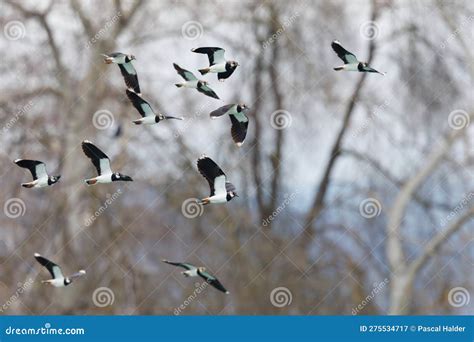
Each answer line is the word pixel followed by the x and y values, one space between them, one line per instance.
pixel 339 68
pixel 138 122
pixel 27 185
pixel 173 117
pixel 204 71
pixel 204 201
pixel 91 181
pixel 179 85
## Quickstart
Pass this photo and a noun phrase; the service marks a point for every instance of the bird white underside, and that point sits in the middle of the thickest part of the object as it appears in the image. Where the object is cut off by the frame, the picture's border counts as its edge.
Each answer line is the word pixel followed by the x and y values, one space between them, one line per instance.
pixel 218 199
pixel 104 178
pixel 58 282
pixel 40 182
pixel 190 84
pixel 147 120
pixel 217 68
pixel 119 60
pixel 191 273
pixel 351 67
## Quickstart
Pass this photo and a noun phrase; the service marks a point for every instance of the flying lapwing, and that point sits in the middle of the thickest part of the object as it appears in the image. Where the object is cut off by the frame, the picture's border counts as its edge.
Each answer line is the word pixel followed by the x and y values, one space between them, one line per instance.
pixel 102 164
pixel 192 82
pixel 59 280
pixel 221 190
pixel 38 171
pixel 217 62
pixel 240 121
pixel 193 271
pixel 149 117
pixel 350 60
pixel 126 68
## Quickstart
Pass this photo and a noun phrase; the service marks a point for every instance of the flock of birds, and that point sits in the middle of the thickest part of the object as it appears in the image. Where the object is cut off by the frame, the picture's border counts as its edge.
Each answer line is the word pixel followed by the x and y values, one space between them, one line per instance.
pixel 221 190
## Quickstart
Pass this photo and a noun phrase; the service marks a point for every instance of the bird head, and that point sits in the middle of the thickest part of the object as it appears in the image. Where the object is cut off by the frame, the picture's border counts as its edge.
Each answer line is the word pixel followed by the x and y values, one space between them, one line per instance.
pixel 233 64
pixel 54 179
pixel 117 176
pixel 202 83
pixel 232 194
pixel 67 281
pixel 201 269
pixel 241 107
pixel 132 57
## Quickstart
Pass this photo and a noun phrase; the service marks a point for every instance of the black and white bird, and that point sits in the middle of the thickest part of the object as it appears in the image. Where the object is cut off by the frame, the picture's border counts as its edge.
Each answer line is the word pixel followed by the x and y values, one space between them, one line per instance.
pixel 126 68
pixel 38 171
pixel 58 280
pixel 350 60
pixel 193 271
pixel 191 81
pixel 222 191
pixel 149 117
pixel 240 121
pixel 217 62
pixel 102 164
